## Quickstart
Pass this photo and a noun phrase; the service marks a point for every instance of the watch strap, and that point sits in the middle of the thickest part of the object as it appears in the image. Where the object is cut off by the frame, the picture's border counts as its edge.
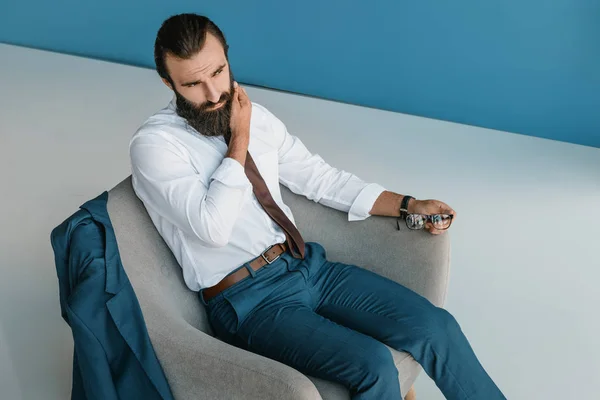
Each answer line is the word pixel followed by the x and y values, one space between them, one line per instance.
pixel 404 206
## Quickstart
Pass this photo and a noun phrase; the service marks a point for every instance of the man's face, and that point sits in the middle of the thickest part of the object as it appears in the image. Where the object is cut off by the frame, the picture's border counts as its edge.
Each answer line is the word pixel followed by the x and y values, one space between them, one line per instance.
pixel 203 86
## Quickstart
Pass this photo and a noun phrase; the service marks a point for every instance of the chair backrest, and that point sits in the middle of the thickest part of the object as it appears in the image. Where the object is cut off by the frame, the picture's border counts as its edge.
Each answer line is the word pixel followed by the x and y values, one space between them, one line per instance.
pixel 416 259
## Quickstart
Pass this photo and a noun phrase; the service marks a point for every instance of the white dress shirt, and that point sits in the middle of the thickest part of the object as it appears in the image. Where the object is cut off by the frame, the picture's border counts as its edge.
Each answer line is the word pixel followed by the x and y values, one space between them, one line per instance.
pixel 202 203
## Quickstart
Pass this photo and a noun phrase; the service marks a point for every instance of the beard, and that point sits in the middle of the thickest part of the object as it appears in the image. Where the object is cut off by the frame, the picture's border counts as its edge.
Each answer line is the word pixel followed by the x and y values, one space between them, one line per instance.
pixel 207 122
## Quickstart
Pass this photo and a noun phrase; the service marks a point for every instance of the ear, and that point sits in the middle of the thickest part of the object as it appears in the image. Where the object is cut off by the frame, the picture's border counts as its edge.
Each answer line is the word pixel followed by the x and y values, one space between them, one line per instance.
pixel 166 82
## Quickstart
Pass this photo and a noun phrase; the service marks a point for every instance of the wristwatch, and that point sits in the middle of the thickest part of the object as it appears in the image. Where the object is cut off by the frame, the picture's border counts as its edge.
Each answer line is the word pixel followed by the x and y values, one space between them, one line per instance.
pixel 404 206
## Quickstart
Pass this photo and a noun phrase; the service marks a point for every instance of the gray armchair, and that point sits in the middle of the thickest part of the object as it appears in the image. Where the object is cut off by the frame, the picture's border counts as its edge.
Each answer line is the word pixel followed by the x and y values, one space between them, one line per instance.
pixel 195 362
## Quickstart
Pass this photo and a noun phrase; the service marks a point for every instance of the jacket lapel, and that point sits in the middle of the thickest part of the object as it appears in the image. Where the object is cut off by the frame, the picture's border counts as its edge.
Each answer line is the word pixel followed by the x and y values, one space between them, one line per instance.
pixel 125 312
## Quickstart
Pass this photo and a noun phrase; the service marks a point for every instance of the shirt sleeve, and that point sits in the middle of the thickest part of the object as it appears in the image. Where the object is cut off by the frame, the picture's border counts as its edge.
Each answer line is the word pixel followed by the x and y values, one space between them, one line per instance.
pixel 165 180
pixel 308 174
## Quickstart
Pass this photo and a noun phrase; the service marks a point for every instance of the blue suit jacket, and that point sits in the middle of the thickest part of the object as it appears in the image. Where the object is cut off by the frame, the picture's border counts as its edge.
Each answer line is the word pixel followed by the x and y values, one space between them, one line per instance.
pixel 113 357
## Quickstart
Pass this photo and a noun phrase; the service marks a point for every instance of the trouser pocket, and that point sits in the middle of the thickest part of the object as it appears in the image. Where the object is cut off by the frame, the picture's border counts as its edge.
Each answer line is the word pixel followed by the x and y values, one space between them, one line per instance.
pixel 223 319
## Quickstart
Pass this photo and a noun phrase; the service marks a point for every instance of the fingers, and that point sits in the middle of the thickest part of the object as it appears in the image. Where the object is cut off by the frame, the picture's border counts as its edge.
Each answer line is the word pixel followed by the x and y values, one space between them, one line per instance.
pixel 430 228
pixel 436 207
pixel 240 97
pixel 434 231
pixel 446 209
pixel 238 89
pixel 236 93
pixel 450 211
pixel 240 92
pixel 243 96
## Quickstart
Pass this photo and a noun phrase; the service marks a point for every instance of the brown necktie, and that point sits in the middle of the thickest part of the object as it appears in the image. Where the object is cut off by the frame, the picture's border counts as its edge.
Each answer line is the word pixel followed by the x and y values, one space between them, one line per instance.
pixel 261 191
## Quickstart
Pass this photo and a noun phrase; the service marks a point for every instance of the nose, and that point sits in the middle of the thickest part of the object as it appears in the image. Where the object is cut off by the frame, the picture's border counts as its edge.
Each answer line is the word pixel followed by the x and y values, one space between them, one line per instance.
pixel 212 94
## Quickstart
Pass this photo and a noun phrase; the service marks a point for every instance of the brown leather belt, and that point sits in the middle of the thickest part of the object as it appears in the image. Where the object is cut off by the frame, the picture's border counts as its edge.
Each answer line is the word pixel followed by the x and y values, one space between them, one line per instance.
pixel 267 257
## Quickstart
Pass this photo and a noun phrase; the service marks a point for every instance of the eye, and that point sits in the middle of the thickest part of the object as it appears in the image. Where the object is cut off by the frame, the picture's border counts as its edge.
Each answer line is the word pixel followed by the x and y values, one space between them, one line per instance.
pixel 218 72
pixel 191 85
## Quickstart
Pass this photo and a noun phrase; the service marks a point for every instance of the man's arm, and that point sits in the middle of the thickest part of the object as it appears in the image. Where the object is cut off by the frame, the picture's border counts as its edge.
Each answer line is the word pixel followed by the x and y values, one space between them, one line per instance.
pixel 388 204
pixel 241 112
pixel 308 174
pixel 204 206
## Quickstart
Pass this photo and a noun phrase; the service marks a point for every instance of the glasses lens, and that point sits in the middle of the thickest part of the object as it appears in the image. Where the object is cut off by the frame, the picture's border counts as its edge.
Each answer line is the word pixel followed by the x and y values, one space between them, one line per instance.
pixel 441 221
pixel 415 221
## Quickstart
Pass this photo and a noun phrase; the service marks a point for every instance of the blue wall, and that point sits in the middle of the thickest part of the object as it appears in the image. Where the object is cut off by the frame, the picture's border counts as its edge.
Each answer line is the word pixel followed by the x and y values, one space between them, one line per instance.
pixel 529 66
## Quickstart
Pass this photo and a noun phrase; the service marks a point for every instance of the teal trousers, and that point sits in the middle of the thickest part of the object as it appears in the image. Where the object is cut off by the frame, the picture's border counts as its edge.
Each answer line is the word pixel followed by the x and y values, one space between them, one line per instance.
pixel 331 320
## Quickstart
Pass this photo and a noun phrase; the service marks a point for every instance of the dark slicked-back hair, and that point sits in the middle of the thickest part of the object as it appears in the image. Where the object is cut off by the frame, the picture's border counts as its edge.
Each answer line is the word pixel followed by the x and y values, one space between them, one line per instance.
pixel 183 36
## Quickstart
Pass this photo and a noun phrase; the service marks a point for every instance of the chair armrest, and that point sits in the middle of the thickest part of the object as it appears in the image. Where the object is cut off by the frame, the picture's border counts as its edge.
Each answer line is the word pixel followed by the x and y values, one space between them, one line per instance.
pixel 199 366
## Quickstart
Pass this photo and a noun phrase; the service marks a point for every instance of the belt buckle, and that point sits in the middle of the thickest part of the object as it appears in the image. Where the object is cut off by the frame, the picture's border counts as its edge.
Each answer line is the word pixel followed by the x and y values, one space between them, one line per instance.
pixel 265 258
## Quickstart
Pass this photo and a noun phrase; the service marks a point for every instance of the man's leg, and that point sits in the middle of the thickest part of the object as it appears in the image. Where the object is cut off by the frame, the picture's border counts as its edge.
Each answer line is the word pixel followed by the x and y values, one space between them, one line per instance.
pixel 321 348
pixel 284 328
pixel 402 319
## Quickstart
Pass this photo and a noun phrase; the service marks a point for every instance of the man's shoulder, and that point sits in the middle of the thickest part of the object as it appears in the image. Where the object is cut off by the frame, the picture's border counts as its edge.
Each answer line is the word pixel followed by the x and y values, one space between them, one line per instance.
pixel 266 121
pixel 262 112
pixel 165 123
pixel 260 109
pixel 166 116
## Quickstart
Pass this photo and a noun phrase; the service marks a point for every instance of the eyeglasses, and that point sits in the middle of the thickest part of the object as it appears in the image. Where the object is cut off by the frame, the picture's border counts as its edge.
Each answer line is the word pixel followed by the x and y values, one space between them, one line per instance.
pixel 418 221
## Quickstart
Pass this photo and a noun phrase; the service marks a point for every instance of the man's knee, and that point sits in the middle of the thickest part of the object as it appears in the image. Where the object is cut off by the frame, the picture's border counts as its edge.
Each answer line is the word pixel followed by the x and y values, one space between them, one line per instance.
pixel 379 365
pixel 436 325
pixel 447 320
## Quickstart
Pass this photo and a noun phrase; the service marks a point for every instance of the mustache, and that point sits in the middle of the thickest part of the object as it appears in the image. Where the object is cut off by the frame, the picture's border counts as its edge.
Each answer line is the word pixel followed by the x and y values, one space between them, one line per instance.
pixel 205 107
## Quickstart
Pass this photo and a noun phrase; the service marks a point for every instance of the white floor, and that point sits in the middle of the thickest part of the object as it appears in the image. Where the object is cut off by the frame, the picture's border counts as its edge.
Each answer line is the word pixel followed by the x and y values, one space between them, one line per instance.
pixel 525 265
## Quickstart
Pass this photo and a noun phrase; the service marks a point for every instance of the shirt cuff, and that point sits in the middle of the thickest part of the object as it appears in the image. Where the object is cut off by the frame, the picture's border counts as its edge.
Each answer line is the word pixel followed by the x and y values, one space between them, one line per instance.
pixel 364 202
pixel 231 173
